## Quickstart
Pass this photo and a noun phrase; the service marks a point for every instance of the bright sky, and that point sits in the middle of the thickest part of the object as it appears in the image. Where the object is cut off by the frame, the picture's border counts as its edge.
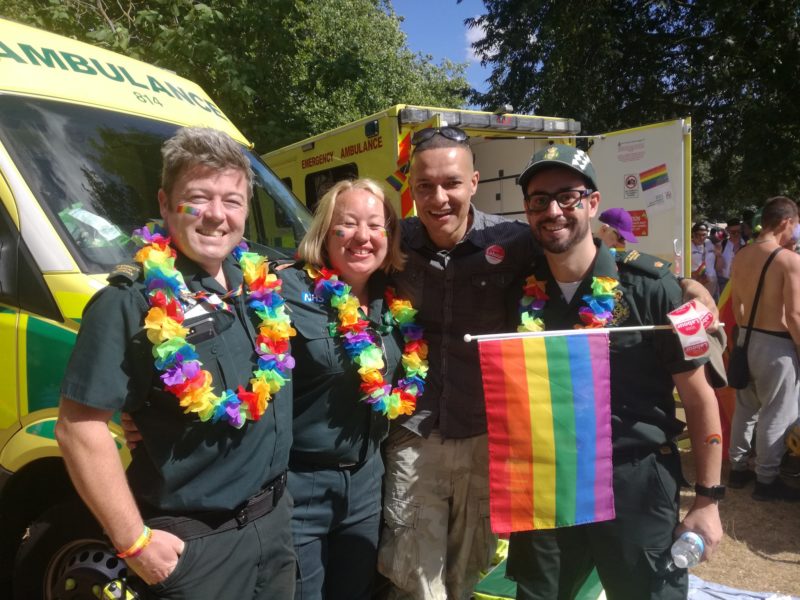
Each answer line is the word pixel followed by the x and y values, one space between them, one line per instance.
pixel 436 27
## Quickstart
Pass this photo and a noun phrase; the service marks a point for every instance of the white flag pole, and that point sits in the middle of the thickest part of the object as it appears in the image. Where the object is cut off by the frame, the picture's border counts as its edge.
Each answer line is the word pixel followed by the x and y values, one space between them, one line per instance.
pixel 561 332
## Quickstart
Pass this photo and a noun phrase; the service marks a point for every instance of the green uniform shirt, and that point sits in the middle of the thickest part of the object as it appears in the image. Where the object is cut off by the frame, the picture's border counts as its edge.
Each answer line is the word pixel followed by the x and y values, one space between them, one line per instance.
pixel 332 426
pixel 642 363
pixel 183 464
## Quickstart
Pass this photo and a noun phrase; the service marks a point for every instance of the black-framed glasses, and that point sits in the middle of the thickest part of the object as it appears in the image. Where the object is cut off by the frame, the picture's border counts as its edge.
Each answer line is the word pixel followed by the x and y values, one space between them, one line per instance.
pixel 539 201
pixel 451 133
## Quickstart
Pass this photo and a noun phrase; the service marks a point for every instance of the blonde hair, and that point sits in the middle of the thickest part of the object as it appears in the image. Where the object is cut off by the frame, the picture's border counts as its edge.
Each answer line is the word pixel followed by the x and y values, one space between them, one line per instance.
pixel 312 247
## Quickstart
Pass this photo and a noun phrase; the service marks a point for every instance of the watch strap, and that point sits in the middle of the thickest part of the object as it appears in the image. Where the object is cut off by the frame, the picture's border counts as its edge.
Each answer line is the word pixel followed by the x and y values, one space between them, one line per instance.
pixel 715 492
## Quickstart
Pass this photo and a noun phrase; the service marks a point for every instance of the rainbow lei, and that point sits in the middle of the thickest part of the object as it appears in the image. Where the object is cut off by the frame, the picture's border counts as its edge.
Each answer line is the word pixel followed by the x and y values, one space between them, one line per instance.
pixel 182 373
pixel 597 312
pixel 358 343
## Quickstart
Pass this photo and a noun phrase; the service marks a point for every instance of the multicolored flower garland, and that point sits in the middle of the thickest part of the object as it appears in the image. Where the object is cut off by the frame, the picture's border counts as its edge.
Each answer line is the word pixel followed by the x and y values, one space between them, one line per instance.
pixel 182 373
pixel 597 313
pixel 362 350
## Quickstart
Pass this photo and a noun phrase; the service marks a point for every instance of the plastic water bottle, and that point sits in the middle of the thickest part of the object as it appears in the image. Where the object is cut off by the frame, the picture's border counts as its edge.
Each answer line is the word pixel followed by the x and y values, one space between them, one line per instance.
pixel 687 550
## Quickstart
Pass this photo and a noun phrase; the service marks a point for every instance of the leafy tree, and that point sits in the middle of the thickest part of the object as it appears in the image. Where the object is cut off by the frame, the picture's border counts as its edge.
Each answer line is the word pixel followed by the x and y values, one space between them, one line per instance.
pixel 282 70
pixel 620 63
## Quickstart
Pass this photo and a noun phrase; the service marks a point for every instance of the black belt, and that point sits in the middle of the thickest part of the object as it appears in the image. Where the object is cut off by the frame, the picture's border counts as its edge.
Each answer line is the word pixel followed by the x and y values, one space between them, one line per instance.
pixel 201 524
pixel 309 461
pixel 628 455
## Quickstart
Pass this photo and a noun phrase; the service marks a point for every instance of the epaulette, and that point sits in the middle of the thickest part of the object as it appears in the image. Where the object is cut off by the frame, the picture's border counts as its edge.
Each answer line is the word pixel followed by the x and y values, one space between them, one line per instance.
pixel 125 274
pixel 643 263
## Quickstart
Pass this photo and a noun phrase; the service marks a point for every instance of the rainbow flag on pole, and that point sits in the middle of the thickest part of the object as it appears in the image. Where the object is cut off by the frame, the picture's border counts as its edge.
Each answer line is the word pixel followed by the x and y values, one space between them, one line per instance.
pixel 549 419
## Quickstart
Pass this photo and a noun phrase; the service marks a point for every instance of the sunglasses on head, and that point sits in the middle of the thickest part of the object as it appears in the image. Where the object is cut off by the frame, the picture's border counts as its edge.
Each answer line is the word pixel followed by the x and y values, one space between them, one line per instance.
pixel 451 133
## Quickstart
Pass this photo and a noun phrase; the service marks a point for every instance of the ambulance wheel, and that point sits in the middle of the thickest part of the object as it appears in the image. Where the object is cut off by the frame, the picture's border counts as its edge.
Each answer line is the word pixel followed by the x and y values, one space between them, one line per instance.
pixel 65 557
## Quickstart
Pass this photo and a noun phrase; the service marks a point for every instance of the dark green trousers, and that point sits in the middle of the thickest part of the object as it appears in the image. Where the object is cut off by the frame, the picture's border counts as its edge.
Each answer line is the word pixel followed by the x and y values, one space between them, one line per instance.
pixel 631 552
pixel 255 562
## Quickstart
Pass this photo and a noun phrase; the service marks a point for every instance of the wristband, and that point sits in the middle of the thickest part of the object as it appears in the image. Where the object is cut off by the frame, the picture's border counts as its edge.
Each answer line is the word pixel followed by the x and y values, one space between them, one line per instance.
pixel 139 545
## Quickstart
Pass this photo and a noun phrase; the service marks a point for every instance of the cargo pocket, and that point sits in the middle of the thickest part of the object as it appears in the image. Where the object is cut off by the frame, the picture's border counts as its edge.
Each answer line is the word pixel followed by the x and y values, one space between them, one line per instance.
pixel 656 565
pixel 485 542
pixel 398 555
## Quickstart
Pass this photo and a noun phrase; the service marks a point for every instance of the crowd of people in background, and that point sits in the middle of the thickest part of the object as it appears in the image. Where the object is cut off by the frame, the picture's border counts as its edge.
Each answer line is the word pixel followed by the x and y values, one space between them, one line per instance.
pixel 769 406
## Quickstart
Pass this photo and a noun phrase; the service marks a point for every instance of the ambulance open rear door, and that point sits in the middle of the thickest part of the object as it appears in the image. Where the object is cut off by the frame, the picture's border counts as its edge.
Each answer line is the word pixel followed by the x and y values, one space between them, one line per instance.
pixel 647 171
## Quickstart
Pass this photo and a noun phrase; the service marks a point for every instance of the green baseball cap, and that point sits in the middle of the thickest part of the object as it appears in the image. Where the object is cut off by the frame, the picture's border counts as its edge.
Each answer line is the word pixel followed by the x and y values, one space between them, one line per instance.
pixel 559 155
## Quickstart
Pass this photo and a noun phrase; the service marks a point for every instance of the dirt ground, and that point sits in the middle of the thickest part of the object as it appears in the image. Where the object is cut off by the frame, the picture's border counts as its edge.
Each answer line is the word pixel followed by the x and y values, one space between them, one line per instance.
pixel 761 548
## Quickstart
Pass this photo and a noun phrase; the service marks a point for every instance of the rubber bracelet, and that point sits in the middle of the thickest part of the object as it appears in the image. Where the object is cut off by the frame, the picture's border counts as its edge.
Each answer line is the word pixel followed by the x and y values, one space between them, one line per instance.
pixel 139 545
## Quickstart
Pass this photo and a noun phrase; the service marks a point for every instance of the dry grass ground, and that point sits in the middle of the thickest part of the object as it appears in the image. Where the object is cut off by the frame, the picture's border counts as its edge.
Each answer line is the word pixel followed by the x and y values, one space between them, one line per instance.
pixel 761 548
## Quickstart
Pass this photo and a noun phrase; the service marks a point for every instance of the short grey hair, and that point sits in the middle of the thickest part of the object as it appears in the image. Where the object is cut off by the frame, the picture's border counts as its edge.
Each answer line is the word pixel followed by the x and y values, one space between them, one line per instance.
pixel 201 146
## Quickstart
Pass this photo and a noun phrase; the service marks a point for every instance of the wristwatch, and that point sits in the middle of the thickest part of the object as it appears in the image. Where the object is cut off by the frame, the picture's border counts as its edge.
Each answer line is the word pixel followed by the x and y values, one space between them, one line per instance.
pixel 715 492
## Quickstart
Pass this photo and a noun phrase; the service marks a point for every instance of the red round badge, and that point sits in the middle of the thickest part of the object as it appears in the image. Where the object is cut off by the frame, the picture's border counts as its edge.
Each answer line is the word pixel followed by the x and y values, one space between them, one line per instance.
pixel 495 254
pixel 706 319
pixel 689 327
pixel 683 309
pixel 695 350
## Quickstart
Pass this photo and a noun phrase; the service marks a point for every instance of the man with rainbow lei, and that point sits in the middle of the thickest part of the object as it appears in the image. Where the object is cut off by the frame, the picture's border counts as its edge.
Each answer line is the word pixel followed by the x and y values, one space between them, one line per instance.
pixel 195 345
pixel 361 361
pixel 580 284
pixel 461 264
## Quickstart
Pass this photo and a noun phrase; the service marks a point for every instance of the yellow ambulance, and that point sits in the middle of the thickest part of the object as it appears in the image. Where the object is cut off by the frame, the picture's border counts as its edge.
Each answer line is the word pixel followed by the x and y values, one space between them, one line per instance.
pixel 645 170
pixel 80 133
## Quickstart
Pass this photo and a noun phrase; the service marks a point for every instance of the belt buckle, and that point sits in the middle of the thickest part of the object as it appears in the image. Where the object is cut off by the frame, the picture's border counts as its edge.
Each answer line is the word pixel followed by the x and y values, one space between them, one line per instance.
pixel 347 465
pixel 242 517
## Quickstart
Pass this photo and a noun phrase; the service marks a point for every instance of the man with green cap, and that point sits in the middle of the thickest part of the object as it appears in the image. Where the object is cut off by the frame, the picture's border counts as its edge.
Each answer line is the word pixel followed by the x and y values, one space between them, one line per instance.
pixel 632 551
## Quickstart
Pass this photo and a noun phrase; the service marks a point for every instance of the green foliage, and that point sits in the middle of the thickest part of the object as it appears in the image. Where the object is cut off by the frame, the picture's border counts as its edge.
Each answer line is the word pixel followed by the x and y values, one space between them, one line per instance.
pixel 734 67
pixel 281 69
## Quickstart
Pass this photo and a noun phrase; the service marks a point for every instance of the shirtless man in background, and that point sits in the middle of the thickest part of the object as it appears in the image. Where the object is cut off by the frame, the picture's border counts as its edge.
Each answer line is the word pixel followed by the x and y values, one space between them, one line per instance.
pixel 772 353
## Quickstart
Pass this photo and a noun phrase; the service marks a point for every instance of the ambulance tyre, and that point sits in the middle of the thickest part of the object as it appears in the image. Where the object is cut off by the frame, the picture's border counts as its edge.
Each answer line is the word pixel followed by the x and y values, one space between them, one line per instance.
pixel 64 556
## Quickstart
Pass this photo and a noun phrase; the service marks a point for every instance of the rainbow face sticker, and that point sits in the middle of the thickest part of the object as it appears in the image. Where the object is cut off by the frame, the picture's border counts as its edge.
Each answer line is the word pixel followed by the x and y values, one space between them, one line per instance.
pixel 338 232
pixel 186 209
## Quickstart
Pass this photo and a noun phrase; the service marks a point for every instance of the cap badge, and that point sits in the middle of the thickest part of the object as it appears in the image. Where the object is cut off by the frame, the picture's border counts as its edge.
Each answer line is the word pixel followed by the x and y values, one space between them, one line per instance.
pixel 551 153
pixel 580 160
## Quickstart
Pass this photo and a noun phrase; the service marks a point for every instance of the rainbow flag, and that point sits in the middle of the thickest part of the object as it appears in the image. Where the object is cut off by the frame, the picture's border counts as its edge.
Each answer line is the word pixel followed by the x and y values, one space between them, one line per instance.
pixel 549 419
pixel 397 179
pixel 653 177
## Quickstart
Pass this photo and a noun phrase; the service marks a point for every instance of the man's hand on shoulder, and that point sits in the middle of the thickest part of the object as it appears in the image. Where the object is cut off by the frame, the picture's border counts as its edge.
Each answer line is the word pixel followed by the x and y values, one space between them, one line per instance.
pixel 159 558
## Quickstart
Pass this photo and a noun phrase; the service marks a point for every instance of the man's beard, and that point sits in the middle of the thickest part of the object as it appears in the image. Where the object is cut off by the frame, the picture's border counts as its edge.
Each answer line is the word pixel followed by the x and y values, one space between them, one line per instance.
pixel 578 229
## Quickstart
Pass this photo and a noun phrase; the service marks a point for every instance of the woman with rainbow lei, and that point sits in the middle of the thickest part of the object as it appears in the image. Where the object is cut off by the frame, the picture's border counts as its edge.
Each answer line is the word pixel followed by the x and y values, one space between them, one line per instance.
pixel 360 361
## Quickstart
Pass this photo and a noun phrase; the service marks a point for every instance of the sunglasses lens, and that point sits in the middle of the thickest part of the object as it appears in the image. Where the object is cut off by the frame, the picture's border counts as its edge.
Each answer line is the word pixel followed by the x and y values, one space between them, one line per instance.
pixel 422 135
pixel 451 133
